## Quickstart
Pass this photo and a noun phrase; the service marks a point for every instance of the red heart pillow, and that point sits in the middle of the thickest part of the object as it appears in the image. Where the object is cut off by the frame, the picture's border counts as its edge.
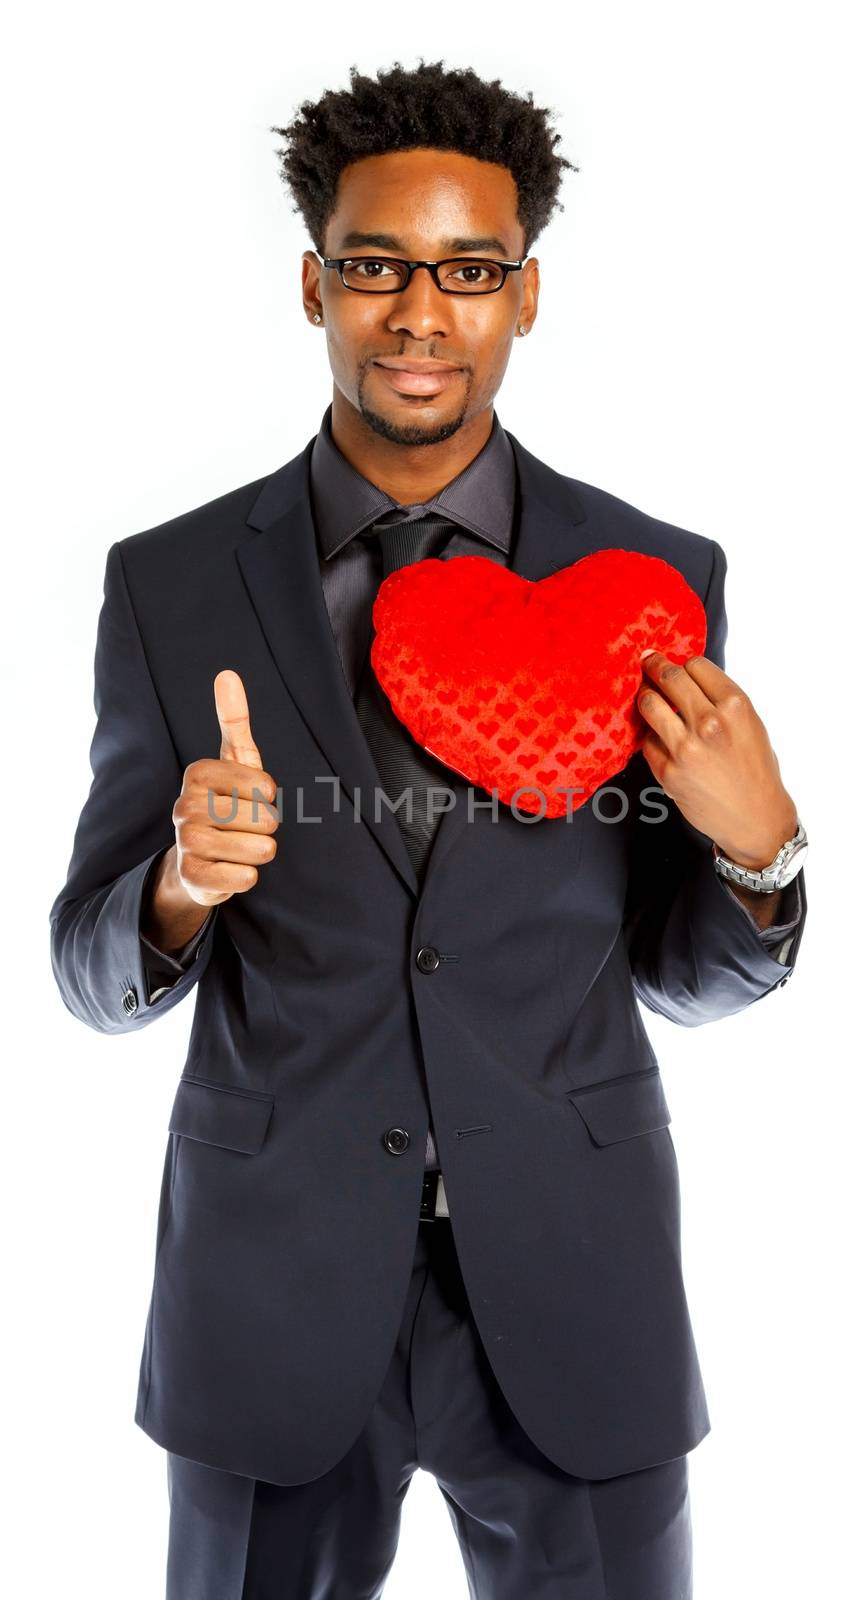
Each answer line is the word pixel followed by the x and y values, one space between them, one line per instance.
pixel 529 685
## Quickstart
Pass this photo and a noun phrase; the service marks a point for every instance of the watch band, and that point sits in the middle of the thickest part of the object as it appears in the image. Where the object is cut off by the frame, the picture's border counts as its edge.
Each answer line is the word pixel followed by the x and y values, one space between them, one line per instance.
pixel 765 880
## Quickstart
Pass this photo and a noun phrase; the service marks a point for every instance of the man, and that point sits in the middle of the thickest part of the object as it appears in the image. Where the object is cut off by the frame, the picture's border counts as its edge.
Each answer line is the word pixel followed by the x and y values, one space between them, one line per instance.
pixel 420 1204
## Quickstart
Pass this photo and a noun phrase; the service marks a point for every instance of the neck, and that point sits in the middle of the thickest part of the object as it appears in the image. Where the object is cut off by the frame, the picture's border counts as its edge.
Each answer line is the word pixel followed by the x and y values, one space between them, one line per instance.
pixel 409 473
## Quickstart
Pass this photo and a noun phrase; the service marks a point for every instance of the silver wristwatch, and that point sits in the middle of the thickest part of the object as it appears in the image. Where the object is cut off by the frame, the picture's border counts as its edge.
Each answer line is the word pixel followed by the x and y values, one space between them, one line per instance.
pixel 787 862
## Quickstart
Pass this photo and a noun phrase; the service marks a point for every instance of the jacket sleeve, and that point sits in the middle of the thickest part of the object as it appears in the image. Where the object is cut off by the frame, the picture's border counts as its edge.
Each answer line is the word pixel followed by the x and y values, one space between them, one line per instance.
pixel 695 951
pixel 778 937
pixel 97 952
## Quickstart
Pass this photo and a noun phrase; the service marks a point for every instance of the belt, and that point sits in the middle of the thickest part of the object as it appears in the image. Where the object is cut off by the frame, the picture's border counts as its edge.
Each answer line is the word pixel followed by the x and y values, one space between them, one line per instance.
pixel 433 1197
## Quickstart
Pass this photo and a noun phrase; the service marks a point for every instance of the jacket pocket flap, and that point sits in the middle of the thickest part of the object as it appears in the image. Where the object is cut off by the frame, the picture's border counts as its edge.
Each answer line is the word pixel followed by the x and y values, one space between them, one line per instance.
pixel 622 1109
pixel 234 1118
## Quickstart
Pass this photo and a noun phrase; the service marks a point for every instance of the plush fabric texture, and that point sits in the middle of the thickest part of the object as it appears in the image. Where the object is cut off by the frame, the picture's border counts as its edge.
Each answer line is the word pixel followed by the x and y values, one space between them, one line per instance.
pixel 522 685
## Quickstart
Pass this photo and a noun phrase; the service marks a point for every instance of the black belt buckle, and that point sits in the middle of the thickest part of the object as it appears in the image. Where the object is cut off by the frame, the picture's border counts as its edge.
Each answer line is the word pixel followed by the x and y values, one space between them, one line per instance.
pixel 427 1210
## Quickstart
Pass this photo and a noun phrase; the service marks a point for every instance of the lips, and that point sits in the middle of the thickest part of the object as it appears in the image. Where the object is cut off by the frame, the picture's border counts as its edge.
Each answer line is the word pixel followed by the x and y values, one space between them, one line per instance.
pixel 408 380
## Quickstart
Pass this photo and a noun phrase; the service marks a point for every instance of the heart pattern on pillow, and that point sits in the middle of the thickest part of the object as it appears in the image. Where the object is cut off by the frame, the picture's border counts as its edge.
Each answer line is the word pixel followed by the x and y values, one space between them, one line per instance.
pixel 530 686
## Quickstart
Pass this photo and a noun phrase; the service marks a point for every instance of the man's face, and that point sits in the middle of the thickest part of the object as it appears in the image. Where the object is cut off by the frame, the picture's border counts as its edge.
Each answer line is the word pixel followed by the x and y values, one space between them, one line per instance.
pixel 422 205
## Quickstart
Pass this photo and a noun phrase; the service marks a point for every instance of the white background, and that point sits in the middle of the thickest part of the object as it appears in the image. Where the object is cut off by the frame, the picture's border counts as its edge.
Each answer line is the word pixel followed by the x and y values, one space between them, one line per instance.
pixel 699 352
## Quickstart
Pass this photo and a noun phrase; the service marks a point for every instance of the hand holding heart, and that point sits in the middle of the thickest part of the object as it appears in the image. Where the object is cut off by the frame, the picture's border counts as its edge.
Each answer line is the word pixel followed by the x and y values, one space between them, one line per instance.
pixel 528 687
pixel 516 683
pixel 709 750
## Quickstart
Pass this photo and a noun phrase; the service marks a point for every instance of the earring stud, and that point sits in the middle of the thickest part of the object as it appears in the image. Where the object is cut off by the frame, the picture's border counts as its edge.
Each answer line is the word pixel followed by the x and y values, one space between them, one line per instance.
pixel 316 317
pixel 521 329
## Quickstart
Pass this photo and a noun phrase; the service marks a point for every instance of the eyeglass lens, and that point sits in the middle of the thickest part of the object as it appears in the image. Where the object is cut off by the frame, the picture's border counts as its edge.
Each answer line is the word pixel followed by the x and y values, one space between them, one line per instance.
pixel 460 276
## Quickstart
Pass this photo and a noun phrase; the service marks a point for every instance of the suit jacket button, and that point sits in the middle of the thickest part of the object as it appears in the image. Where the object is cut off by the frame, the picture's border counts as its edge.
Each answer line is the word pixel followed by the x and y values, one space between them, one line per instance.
pixel 427 959
pixel 129 1001
pixel 396 1140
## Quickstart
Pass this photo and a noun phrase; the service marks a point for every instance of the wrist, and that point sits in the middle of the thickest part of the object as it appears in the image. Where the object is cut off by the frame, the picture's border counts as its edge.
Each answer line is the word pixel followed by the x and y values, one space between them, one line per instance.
pixel 168 893
pixel 768 876
pixel 171 916
pixel 757 853
pixel 754 860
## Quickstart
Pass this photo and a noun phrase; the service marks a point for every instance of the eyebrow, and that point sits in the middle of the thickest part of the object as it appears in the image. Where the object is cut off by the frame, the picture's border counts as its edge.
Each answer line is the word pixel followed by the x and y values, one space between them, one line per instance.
pixel 390 241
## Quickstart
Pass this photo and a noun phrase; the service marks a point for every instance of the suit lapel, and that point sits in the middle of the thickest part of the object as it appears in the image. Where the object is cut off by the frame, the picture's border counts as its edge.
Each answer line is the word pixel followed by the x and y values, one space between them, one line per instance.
pixel 280 568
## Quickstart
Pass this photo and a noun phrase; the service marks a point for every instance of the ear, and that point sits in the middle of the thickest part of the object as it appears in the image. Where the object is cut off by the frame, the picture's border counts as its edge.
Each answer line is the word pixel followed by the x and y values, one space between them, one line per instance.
pixel 311 287
pixel 530 297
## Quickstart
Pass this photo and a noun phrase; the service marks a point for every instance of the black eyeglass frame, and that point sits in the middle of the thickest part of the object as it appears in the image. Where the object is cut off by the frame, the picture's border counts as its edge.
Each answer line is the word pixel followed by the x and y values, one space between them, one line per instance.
pixel 339 262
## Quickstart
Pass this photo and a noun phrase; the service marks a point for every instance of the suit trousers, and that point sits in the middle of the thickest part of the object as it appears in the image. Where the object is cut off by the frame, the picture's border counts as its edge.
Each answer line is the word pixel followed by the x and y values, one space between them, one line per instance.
pixel 527 1530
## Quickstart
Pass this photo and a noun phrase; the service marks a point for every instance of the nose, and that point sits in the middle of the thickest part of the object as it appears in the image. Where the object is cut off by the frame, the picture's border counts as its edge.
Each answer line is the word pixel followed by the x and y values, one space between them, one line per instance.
pixel 421 309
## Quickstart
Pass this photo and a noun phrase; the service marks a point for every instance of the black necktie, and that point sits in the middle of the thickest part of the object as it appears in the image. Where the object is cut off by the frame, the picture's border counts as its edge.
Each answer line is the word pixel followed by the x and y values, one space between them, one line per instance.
pixel 402 763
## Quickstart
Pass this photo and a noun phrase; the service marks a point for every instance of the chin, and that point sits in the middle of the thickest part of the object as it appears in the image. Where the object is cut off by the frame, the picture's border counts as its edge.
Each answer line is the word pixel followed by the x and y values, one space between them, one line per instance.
pixel 417 429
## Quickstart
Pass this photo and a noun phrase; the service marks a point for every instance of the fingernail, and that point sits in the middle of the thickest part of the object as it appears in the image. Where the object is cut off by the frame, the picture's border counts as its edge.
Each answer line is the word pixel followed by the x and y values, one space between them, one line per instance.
pixel 646 653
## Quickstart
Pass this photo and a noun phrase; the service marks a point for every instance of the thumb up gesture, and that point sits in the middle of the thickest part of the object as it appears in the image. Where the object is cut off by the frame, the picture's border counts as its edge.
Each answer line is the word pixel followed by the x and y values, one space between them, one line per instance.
pixel 220 847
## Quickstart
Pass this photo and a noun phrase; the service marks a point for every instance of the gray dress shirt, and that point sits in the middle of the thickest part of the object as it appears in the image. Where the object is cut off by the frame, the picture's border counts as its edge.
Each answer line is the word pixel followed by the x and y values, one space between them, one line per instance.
pixel 481 502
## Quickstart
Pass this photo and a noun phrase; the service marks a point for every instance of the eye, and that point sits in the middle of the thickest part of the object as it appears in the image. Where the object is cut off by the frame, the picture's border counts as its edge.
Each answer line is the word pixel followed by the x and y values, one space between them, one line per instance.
pixel 473 274
pixel 369 268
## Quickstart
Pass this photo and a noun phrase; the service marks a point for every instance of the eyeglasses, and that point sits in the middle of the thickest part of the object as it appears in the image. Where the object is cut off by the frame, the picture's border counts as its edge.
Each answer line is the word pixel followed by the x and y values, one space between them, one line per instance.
pixel 389 274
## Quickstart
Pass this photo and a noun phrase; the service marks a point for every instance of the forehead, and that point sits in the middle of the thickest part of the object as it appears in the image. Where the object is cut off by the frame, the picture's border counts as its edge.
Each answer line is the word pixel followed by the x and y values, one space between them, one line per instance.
pixel 426 199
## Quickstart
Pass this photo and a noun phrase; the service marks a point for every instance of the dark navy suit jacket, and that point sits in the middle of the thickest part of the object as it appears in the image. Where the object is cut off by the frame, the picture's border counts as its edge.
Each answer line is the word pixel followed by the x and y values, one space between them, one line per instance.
pixel 288 1213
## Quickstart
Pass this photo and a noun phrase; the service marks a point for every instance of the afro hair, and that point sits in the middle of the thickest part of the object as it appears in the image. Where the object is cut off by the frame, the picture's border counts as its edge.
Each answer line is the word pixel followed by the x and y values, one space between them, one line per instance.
pixel 425 108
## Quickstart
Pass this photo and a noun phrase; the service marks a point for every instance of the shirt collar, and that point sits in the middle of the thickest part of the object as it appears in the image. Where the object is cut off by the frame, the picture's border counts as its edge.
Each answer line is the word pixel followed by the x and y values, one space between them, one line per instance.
pixel 481 498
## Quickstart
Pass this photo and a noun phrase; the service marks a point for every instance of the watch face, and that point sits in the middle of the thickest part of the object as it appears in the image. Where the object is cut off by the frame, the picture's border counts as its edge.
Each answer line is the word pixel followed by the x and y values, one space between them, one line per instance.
pixel 793 866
